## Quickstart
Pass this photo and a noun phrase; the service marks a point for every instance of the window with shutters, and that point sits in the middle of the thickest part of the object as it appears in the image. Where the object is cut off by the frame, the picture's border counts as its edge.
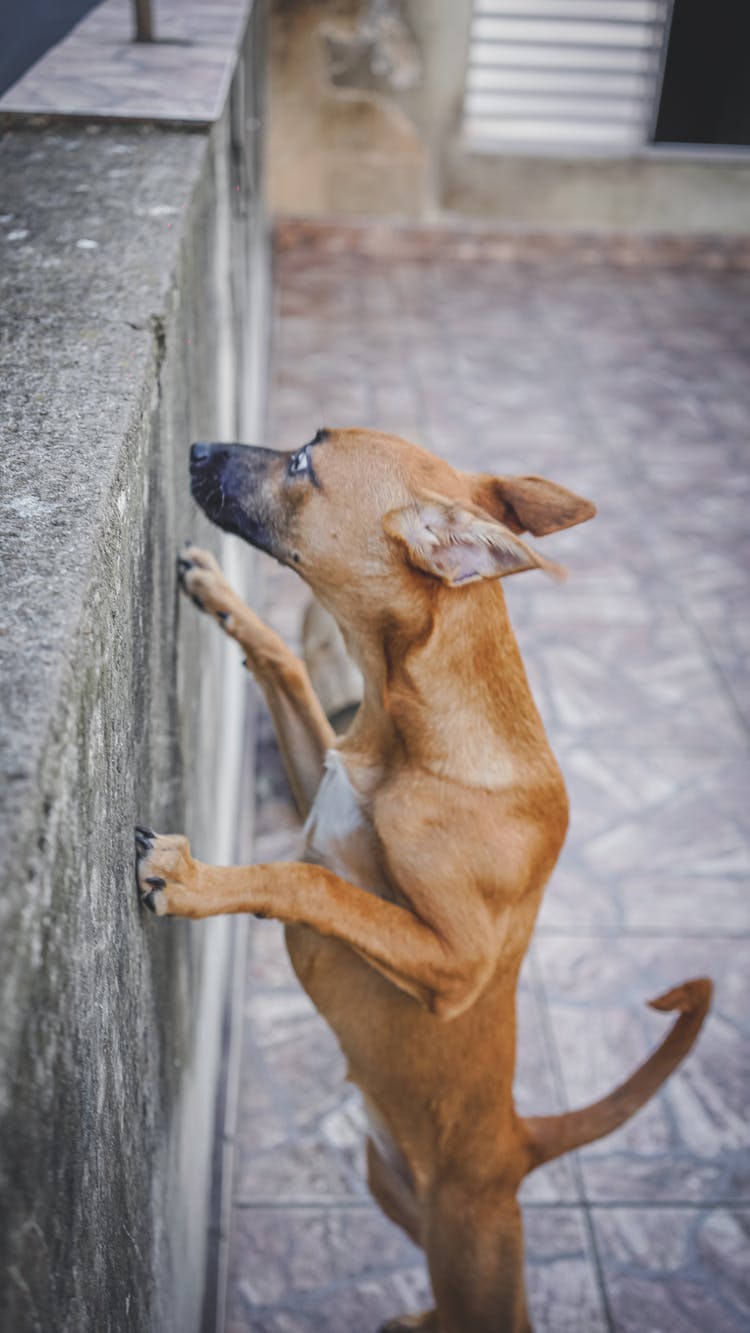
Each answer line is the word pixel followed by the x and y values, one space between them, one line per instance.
pixel 564 73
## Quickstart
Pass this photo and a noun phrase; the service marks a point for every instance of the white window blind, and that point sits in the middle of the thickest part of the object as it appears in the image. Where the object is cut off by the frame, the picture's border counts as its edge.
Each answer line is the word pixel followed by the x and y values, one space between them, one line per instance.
pixel 564 72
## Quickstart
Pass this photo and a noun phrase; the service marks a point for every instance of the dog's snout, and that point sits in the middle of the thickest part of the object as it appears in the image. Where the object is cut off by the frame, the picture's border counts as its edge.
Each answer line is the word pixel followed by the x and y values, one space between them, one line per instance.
pixel 200 454
pixel 227 482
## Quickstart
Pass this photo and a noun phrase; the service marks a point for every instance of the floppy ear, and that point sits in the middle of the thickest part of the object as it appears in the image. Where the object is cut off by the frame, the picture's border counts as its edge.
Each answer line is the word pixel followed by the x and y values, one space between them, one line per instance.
pixel 531 504
pixel 458 546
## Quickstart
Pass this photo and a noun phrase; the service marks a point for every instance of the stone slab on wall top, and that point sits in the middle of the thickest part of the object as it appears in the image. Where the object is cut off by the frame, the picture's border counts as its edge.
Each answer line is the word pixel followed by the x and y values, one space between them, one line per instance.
pixel 182 76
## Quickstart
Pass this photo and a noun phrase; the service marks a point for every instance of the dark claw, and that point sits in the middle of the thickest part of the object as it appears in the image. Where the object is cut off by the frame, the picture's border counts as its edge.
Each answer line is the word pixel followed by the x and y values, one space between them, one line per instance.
pixel 196 601
pixel 157 885
pixel 222 616
pixel 144 838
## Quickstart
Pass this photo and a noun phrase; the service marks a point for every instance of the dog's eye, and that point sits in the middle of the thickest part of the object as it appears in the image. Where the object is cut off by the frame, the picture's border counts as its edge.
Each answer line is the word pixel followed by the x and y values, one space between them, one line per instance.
pixel 299 462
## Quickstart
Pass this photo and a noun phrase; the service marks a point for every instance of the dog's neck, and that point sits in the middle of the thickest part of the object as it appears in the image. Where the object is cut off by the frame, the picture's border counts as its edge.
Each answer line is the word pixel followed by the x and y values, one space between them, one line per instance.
pixel 449 691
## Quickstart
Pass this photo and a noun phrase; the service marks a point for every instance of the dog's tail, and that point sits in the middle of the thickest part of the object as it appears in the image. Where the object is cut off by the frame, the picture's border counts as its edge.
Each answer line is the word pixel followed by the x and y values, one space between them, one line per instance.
pixel 551 1136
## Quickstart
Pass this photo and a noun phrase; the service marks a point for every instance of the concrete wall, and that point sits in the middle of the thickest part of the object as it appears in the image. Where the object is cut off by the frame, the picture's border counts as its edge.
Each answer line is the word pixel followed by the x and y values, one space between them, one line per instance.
pixel 659 192
pixel 133 298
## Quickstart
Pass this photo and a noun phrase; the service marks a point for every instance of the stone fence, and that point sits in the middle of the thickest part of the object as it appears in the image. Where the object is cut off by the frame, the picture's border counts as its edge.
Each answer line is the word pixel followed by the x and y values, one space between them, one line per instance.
pixel 132 310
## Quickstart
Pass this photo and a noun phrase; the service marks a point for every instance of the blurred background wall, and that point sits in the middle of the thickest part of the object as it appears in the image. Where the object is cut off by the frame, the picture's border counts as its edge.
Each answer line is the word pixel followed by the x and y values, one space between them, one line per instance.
pixel 579 114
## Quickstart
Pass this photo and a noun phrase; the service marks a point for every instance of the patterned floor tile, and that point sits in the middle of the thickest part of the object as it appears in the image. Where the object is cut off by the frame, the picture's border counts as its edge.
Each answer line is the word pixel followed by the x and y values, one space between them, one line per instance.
pixel 720 607
pixel 690 1143
pixel 561 1283
pixel 321 1270
pixel 629 387
pixel 677 1270
pixel 308 1270
pixel 537 1093
pixel 622 675
pixel 657 842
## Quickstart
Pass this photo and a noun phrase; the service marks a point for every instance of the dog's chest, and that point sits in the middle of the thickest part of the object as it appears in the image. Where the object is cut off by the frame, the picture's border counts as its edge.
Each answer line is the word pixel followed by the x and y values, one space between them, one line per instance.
pixel 339 833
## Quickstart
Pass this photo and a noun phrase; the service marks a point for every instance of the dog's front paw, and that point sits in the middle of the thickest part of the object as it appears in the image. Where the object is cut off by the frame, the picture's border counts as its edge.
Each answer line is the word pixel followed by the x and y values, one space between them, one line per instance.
pixel 200 576
pixel 165 872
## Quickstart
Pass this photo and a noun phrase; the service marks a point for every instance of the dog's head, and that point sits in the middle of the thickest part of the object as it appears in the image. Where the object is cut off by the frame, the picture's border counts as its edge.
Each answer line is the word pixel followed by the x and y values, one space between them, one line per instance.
pixel 367 518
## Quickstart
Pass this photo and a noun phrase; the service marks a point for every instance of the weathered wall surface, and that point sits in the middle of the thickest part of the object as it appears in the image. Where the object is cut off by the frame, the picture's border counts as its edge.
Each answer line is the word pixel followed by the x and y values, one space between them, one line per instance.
pixel 132 296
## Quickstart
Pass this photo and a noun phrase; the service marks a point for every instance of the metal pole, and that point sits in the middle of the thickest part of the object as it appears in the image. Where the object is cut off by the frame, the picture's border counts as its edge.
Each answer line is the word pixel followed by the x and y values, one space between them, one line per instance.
pixel 144 30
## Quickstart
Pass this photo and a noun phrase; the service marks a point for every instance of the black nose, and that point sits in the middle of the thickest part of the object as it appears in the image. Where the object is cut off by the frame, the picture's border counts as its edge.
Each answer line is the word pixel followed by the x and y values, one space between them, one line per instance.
pixel 200 453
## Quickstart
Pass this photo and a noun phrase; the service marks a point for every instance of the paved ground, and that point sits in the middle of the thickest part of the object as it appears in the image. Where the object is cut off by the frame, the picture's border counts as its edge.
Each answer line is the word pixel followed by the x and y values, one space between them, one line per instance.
pixel 633 387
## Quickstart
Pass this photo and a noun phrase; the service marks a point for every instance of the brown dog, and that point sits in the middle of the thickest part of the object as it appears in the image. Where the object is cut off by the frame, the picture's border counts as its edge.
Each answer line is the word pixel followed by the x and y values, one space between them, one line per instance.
pixel 432 828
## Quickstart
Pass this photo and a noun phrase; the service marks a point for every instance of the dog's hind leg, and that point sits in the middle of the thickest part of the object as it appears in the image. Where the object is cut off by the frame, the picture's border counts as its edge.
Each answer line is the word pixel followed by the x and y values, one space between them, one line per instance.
pixel 302 729
pixel 474 1243
pixel 400 1205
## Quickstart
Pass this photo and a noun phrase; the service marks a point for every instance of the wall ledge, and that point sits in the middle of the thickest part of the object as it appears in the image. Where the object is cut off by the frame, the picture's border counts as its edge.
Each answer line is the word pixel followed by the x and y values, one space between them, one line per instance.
pixel 99 72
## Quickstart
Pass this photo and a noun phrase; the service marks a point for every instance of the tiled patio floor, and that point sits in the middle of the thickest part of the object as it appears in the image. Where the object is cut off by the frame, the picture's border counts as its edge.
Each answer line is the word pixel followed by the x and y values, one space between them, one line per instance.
pixel 632 386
